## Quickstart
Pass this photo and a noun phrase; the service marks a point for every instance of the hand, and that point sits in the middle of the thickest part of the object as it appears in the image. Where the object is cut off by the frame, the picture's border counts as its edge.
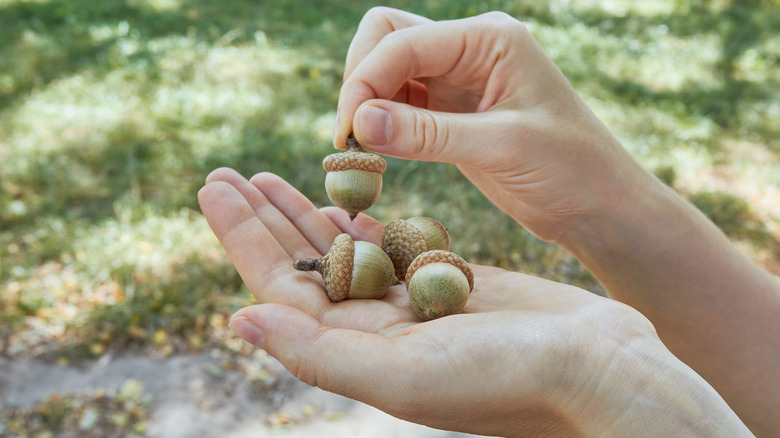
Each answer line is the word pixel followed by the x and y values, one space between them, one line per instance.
pixel 528 356
pixel 481 93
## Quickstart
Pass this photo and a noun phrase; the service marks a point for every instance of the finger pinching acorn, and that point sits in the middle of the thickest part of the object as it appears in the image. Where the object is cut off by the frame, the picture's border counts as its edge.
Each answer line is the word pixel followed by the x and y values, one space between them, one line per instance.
pixel 414 250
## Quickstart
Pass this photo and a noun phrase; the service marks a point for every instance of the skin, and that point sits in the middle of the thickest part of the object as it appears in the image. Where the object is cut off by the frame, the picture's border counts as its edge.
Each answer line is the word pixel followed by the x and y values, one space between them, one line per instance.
pixel 560 361
pixel 529 357
pixel 436 91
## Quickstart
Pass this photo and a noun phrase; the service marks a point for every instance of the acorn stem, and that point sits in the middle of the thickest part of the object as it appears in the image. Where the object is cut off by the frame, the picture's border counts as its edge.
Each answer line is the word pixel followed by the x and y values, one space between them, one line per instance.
pixel 352 144
pixel 308 265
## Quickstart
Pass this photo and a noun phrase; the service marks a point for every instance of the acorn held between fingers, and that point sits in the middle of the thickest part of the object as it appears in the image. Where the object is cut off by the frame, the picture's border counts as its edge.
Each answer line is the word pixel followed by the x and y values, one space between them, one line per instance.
pixel 354 178
pixel 414 250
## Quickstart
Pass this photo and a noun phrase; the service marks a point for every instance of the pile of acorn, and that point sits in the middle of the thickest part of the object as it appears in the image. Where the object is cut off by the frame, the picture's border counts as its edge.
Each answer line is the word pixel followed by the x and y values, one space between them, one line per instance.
pixel 414 250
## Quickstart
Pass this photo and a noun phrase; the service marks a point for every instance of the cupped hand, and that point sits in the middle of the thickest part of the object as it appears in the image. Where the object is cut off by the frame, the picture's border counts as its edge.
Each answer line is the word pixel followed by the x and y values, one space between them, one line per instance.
pixel 528 356
pixel 481 93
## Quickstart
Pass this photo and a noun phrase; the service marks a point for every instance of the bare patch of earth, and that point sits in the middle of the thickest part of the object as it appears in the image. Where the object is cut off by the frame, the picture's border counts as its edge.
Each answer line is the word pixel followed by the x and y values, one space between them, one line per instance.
pixel 212 394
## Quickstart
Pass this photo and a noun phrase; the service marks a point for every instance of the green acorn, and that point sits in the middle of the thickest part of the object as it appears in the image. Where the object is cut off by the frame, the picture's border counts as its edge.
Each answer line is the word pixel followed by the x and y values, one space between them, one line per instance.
pixel 354 178
pixel 405 239
pixel 439 284
pixel 352 269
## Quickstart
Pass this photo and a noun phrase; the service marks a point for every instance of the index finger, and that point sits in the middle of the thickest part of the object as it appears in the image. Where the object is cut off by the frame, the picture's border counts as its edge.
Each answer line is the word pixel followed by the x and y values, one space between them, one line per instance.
pixel 261 261
pixel 376 23
pixel 465 53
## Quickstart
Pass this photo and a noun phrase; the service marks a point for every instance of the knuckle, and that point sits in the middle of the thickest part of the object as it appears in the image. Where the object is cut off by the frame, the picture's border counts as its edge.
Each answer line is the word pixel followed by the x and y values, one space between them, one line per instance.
pixel 398 38
pixel 308 368
pixel 376 13
pixel 431 137
pixel 503 22
pixel 305 372
pixel 399 46
pixel 497 16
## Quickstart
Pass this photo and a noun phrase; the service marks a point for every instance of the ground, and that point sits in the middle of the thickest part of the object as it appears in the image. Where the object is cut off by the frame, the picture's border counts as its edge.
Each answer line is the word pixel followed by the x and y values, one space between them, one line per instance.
pixel 205 395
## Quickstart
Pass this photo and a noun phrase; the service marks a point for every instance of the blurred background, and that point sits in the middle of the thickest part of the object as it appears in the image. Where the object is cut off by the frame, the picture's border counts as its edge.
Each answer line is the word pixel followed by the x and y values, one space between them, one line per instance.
pixel 113 112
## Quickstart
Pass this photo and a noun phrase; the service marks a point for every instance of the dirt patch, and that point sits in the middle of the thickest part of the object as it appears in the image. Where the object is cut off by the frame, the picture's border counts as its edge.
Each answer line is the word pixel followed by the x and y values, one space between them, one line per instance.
pixel 208 395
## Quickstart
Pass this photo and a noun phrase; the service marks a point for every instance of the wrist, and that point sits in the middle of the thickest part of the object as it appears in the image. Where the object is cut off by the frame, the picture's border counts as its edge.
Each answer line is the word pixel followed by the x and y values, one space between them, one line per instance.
pixel 643 390
pixel 634 226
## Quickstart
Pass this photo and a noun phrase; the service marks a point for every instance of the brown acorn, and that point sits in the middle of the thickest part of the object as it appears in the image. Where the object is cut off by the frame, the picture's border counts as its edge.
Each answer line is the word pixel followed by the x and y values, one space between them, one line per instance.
pixel 352 269
pixel 439 284
pixel 354 178
pixel 405 239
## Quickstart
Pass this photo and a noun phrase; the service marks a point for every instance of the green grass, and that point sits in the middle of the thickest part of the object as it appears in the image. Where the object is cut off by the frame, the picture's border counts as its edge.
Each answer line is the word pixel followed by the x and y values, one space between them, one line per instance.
pixel 112 113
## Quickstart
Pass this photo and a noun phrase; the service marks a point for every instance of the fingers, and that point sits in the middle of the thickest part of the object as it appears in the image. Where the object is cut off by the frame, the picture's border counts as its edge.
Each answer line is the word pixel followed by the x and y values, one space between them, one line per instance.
pixel 404 131
pixel 376 23
pixel 291 238
pixel 465 52
pixel 250 245
pixel 262 234
pixel 297 210
pixel 395 60
pixel 343 361
pixel 363 227
pixel 261 261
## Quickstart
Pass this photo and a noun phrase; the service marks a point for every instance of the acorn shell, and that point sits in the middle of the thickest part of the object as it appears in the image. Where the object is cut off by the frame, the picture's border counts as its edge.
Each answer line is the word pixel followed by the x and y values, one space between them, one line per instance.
pixel 372 272
pixel 353 190
pixel 405 239
pixel 441 256
pixel 352 269
pixel 439 284
pixel 354 178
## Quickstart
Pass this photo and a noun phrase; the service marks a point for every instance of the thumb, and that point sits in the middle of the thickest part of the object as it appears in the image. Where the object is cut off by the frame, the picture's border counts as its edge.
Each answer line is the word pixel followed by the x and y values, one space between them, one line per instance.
pixel 355 364
pixel 405 131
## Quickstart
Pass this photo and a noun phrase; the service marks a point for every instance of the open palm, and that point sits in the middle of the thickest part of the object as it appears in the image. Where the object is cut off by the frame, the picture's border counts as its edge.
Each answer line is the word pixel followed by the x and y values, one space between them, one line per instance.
pixel 511 352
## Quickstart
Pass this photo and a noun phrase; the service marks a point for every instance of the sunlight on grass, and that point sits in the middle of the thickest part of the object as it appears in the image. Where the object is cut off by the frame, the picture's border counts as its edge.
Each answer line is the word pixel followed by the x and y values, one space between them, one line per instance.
pixel 616 8
pixel 197 85
pixel 158 5
pixel 117 264
pixel 113 113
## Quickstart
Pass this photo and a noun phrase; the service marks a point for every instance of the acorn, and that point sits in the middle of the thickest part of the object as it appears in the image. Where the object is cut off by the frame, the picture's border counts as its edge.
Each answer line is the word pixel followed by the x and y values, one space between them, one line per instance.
pixel 352 269
pixel 439 284
pixel 354 177
pixel 405 239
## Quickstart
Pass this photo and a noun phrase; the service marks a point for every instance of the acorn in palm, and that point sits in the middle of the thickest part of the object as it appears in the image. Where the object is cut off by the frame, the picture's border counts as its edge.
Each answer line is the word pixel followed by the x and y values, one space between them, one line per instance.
pixel 405 239
pixel 352 269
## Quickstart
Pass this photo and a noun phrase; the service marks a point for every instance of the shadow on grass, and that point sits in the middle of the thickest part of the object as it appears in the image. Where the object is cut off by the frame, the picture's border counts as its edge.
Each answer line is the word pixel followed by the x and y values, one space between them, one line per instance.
pixel 158 169
pixel 741 25
pixel 45 41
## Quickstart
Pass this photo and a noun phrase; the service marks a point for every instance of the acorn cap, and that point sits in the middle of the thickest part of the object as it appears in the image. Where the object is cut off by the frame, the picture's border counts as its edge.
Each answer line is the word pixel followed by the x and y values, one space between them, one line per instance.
pixel 436 235
pixel 336 267
pixel 441 256
pixel 402 241
pixel 354 158
pixel 405 239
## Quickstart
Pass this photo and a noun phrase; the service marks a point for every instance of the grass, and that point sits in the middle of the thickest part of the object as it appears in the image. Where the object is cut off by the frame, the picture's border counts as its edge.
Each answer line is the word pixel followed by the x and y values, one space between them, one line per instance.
pixel 112 114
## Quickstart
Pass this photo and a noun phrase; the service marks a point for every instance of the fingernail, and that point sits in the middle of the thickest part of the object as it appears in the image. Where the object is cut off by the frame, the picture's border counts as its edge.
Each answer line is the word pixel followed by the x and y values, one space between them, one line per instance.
pixel 247 330
pixel 375 125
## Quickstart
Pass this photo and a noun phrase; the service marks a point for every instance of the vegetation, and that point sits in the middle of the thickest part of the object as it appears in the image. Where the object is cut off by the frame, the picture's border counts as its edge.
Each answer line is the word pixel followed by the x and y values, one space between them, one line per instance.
pixel 112 113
